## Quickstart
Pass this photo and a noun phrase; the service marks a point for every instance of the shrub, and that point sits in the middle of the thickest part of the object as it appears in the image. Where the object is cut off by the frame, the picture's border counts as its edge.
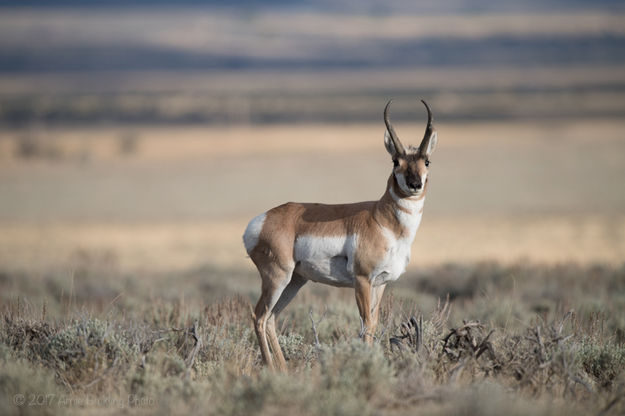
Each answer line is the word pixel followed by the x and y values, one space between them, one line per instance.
pixel 86 349
pixel 602 362
pixel 356 369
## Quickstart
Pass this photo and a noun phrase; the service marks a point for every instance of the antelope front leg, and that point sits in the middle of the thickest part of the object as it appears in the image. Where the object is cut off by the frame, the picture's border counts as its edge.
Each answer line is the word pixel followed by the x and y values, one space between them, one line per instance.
pixel 376 300
pixel 363 299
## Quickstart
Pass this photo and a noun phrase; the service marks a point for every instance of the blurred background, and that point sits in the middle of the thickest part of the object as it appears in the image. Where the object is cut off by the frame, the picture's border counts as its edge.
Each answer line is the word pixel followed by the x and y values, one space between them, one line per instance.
pixel 137 139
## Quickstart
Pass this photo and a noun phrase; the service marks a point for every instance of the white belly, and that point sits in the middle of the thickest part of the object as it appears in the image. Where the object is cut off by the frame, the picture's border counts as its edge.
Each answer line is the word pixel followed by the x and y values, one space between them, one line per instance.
pixel 328 260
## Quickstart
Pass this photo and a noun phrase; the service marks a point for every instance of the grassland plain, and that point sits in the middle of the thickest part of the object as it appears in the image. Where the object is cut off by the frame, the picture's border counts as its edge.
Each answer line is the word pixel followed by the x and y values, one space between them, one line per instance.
pixel 124 286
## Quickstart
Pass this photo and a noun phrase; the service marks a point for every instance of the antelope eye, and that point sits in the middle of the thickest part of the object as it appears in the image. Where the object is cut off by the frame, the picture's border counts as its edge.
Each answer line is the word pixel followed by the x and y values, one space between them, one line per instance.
pixel 395 162
pixel 427 163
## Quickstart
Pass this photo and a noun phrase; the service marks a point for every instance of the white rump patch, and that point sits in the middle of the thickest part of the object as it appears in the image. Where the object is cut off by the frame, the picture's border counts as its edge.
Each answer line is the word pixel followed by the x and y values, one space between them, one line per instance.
pixel 250 237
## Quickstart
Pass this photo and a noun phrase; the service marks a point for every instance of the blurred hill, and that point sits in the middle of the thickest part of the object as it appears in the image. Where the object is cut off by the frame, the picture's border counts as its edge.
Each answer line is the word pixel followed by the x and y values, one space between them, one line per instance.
pixel 247 62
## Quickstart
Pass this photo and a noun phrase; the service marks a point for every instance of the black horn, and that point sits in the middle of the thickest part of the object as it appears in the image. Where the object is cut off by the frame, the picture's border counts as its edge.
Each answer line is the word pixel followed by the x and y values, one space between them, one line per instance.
pixel 398 146
pixel 429 130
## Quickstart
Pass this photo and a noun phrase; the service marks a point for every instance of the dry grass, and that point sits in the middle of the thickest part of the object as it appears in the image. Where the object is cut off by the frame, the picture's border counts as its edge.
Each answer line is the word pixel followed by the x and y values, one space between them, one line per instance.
pixel 180 355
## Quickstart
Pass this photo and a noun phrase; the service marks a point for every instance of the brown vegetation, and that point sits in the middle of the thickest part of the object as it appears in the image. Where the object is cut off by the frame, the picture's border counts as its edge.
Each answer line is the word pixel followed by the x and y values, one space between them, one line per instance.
pixel 511 343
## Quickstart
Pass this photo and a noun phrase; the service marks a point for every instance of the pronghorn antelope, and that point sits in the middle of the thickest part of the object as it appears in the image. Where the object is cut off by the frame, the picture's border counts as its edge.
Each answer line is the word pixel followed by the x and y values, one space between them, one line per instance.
pixel 363 245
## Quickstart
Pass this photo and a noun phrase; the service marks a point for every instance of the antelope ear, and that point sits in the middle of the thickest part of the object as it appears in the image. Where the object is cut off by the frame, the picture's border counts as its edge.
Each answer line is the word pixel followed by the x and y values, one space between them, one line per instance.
pixel 388 143
pixel 429 144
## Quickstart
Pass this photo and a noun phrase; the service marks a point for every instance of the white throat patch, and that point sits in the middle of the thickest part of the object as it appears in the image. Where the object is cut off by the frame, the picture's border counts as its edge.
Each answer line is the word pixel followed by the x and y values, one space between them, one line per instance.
pixel 409 212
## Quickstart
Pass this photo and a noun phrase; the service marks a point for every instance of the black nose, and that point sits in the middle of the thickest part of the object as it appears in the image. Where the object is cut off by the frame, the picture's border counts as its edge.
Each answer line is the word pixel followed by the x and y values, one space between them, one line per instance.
pixel 415 185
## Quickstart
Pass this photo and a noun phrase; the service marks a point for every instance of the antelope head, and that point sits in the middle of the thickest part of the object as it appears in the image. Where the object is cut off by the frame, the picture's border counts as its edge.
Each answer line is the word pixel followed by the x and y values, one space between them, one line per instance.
pixel 410 166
